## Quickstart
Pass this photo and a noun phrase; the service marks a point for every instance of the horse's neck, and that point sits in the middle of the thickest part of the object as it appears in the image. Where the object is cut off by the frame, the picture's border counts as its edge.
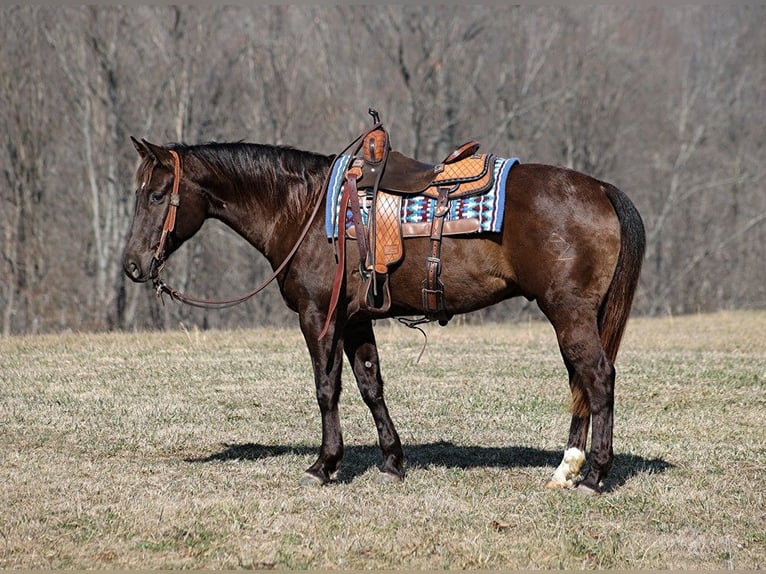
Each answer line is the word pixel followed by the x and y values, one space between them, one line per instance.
pixel 268 210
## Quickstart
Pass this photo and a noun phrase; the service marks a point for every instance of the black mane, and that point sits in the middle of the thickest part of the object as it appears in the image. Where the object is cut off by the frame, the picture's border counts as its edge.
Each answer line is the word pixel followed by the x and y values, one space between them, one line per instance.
pixel 277 174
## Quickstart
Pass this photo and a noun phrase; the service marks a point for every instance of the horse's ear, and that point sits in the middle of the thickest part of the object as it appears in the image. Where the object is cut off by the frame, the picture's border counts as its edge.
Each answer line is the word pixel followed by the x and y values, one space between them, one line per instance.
pixel 160 154
pixel 140 148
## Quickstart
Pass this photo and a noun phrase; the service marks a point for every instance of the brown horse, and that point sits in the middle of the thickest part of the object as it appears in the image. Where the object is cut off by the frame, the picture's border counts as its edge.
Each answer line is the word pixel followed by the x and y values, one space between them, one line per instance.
pixel 570 242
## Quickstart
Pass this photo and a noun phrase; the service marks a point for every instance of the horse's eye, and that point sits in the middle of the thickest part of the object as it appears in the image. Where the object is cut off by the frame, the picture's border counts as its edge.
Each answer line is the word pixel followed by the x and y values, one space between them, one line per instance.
pixel 156 196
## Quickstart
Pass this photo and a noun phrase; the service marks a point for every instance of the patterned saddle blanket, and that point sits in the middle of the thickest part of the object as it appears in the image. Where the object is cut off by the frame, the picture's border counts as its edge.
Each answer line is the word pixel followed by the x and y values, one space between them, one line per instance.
pixel 482 213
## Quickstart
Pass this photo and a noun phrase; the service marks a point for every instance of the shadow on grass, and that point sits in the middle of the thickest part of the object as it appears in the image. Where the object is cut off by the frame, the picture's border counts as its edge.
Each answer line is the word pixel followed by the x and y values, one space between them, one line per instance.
pixel 360 458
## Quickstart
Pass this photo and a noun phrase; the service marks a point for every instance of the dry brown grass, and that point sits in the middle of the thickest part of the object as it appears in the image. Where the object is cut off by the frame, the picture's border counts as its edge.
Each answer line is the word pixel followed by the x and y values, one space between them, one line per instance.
pixel 184 450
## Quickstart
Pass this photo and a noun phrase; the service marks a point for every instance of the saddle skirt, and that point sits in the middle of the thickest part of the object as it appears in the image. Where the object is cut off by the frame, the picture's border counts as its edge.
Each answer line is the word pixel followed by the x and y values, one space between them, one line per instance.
pixel 478 199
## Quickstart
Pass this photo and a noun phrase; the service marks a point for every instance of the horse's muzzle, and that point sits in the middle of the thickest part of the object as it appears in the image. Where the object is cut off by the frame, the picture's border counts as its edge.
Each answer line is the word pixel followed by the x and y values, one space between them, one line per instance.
pixel 137 271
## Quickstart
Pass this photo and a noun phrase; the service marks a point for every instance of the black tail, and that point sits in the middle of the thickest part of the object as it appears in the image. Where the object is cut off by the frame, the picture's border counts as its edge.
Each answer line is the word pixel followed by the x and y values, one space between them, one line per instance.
pixel 615 309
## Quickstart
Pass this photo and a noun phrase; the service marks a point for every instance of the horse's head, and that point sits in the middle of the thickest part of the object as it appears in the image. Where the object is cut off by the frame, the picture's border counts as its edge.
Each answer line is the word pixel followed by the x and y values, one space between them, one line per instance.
pixel 169 210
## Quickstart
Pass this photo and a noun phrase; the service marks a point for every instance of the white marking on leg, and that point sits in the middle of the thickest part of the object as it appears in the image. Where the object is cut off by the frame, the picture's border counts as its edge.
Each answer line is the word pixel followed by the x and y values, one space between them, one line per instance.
pixel 566 473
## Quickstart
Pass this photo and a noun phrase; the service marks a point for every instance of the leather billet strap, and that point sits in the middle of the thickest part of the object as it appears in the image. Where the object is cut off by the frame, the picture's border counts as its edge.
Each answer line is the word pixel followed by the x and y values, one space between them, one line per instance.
pixel 383 149
pixel 341 268
pixel 352 175
pixel 433 289
pixel 170 218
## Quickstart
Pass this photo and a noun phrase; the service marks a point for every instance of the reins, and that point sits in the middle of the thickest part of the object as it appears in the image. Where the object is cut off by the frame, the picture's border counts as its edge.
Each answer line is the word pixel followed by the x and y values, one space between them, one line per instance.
pixel 170 220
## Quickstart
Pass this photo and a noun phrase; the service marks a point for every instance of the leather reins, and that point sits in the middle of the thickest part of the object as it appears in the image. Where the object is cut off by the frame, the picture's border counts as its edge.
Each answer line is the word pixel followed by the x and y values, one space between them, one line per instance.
pixel 169 225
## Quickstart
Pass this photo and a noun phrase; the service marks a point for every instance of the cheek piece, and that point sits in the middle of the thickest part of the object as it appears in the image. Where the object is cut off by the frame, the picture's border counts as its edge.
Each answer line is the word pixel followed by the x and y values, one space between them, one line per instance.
pixel 170 217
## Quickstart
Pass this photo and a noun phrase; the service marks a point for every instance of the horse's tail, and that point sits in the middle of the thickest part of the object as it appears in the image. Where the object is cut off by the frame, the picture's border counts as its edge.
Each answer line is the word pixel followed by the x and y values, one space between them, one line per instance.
pixel 615 308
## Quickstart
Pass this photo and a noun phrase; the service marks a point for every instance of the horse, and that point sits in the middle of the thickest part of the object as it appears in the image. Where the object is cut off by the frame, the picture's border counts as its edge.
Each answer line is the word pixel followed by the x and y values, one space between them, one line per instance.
pixel 569 242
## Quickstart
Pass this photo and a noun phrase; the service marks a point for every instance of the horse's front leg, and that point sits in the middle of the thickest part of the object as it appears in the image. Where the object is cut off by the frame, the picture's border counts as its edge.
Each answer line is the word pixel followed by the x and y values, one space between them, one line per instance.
pixel 362 352
pixel 327 360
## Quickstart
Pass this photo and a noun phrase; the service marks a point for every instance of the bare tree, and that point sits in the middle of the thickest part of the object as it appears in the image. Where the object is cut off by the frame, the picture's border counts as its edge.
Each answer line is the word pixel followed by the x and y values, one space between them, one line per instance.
pixel 25 160
pixel 688 226
pixel 665 102
pixel 428 71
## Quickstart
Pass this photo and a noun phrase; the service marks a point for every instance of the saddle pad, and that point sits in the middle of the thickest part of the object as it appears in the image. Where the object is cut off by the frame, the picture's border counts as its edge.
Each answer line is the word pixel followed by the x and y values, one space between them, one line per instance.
pixel 487 208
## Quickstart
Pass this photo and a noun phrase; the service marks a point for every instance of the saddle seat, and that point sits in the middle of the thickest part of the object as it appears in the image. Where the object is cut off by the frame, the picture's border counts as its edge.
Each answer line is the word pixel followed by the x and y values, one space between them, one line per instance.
pixel 407 176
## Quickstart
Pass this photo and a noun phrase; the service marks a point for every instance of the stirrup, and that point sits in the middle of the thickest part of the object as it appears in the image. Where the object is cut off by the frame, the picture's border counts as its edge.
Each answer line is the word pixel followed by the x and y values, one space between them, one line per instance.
pixel 375 293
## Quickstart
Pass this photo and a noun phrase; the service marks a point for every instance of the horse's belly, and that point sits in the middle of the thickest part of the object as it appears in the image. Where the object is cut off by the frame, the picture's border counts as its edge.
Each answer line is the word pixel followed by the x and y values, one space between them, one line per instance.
pixel 475 274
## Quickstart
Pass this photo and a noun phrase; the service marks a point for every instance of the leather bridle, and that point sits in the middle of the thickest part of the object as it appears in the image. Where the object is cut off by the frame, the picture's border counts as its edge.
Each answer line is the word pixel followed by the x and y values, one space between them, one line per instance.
pixel 170 217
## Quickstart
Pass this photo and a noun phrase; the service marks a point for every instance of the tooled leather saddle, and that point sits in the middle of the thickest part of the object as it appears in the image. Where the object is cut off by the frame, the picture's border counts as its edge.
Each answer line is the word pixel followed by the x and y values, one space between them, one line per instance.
pixel 376 181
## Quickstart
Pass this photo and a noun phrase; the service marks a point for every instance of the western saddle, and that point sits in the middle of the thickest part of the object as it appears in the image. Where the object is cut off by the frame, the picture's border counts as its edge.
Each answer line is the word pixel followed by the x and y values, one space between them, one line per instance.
pixel 380 178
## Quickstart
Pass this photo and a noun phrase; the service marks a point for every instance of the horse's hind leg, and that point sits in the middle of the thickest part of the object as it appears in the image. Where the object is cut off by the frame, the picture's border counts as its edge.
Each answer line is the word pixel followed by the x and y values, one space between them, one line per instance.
pixel 362 353
pixel 568 471
pixel 592 385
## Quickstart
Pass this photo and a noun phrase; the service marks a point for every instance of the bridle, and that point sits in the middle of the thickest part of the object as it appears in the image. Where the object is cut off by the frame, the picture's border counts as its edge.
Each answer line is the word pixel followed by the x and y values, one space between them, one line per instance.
pixel 170 217
pixel 170 222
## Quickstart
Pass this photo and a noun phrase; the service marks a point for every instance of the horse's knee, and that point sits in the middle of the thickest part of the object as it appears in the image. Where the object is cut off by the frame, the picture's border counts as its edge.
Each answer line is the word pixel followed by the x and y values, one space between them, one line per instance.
pixel 328 395
pixel 369 381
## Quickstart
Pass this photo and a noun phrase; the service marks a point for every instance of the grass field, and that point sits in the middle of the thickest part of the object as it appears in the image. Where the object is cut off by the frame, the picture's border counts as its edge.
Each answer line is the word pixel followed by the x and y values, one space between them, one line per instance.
pixel 184 450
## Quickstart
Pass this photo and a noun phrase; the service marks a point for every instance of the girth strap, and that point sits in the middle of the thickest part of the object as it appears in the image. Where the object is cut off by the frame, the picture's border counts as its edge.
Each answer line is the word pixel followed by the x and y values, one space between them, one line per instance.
pixel 350 189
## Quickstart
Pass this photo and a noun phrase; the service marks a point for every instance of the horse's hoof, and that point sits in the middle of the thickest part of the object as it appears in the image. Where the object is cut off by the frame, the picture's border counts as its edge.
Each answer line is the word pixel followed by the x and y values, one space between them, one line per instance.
pixel 312 480
pixel 390 477
pixel 554 484
pixel 585 490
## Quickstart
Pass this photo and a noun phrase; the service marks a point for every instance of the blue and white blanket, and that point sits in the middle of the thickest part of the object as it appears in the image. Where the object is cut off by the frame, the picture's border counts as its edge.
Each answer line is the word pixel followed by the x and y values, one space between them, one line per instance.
pixel 488 208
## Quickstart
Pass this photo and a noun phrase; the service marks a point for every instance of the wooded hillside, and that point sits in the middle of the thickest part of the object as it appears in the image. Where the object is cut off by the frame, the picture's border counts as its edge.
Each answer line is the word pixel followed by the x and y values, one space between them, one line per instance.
pixel 666 103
